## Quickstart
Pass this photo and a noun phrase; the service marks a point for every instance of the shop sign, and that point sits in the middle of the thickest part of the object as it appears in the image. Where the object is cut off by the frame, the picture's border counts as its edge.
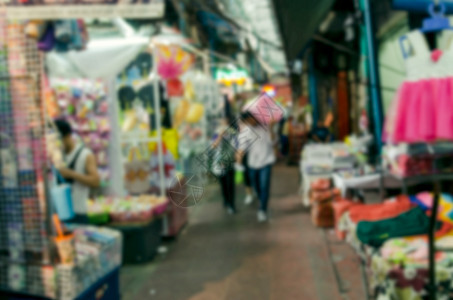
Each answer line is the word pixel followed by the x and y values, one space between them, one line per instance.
pixel 74 9
pixel 231 76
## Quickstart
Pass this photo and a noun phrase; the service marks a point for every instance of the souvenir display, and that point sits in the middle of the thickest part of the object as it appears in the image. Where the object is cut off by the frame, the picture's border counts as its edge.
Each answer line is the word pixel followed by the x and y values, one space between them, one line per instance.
pixel 83 103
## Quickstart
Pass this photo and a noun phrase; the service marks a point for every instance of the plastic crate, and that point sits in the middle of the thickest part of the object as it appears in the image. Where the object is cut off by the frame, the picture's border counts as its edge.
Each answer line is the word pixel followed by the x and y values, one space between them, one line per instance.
pixel 140 240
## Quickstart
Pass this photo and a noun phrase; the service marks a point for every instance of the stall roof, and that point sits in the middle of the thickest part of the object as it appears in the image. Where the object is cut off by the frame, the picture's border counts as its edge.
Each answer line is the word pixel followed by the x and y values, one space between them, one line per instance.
pixel 258 24
pixel 298 21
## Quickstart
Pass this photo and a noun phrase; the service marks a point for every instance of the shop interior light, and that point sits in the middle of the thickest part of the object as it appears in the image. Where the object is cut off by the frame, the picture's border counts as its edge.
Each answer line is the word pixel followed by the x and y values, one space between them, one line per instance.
pixel 269 90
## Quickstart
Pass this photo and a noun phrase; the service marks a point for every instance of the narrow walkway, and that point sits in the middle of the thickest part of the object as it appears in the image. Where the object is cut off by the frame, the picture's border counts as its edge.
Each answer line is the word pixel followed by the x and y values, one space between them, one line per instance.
pixel 233 257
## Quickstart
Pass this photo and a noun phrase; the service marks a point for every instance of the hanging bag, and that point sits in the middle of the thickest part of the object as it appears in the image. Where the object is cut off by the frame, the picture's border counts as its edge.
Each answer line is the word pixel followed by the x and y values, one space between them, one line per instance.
pixel 61 191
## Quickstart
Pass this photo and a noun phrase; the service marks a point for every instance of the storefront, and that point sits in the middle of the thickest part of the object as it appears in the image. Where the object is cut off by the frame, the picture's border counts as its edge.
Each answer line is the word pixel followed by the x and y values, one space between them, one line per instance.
pixel 142 106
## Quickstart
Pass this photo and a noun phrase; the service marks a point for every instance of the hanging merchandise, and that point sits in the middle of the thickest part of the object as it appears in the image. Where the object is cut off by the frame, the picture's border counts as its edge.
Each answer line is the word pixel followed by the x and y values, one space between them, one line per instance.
pixel 169 168
pixel 175 88
pixel 61 35
pixel 189 92
pixel 181 112
pixel 35 29
pixel 137 172
pixel 421 111
pixel 195 113
pixel 172 61
pixel 47 41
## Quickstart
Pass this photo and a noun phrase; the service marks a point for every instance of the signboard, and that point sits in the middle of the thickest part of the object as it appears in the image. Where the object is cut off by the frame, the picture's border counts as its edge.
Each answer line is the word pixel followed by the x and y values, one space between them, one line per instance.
pixel 229 76
pixel 74 9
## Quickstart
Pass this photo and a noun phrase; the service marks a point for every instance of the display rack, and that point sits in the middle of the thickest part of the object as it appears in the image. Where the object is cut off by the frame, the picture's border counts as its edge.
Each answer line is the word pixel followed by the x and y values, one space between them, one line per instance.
pixel 24 227
pixel 436 180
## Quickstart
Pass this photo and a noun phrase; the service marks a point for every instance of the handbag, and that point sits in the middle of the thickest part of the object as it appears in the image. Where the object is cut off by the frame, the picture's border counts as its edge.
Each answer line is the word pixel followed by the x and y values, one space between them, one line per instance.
pixel 61 195
pixel 61 192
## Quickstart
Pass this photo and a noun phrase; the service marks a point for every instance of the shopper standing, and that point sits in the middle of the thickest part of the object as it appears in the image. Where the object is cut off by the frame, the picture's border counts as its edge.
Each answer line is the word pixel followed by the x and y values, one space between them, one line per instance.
pixel 320 134
pixel 257 140
pixel 80 170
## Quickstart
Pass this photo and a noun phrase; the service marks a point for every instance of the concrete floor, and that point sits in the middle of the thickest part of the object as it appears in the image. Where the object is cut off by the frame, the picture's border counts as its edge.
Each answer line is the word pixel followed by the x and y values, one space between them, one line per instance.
pixel 233 257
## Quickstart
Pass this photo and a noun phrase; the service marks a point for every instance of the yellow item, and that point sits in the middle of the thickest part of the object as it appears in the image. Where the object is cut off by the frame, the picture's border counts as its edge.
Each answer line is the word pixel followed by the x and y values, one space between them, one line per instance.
pixel 195 113
pixel 189 92
pixel 83 112
pixel 181 112
pixel 34 29
pixel 170 140
pixel 130 121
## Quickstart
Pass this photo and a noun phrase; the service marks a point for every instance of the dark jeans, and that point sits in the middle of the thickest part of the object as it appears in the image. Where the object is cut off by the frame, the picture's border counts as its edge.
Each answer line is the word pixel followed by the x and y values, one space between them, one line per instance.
pixel 284 140
pixel 261 182
pixel 247 181
pixel 227 185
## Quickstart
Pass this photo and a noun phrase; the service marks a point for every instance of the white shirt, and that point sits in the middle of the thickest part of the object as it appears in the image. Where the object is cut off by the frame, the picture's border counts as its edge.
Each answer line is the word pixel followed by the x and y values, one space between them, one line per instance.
pixel 80 192
pixel 257 142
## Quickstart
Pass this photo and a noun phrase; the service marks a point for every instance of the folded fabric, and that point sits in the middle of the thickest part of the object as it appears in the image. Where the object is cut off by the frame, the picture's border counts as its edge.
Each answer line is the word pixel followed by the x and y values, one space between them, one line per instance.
pixel 416 201
pixel 411 223
pixel 322 196
pixel 386 210
pixel 340 207
pixel 413 278
pixel 445 211
pixel 320 184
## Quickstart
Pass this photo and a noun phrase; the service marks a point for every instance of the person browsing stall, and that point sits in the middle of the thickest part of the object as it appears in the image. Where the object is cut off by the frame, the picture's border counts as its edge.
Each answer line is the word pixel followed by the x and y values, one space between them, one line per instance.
pixel 320 134
pixel 80 169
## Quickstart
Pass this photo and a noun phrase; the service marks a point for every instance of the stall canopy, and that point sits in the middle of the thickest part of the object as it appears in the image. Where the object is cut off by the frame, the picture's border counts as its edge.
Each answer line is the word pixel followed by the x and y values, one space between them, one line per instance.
pixel 298 21
pixel 257 23
pixel 103 58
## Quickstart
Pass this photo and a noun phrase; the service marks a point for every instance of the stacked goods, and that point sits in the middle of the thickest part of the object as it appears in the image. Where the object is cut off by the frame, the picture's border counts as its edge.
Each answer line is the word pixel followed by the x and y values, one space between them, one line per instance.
pixel 341 206
pixel 419 159
pixel 321 198
pixel 127 210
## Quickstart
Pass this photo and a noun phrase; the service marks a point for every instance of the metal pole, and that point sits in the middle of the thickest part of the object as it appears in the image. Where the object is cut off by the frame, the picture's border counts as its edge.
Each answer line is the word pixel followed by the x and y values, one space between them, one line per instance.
pixel 313 87
pixel 156 97
pixel 375 82
pixel 431 243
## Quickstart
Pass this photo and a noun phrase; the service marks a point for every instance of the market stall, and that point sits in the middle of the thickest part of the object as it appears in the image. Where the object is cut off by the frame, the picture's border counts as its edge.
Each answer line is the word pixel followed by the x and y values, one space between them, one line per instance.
pixel 405 241
pixel 38 257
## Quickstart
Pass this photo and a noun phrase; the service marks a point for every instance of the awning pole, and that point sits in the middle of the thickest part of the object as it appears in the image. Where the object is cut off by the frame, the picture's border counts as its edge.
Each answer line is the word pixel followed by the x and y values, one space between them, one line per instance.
pixel 375 82
pixel 313 88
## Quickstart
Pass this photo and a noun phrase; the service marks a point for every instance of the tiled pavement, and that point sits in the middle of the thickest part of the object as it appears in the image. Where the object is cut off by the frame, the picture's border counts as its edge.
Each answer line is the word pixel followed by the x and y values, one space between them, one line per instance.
pixel 233 257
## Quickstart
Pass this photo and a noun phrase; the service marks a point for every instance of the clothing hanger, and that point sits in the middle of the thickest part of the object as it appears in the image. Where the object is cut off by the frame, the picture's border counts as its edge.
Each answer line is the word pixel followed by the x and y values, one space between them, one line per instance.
pixel 437 22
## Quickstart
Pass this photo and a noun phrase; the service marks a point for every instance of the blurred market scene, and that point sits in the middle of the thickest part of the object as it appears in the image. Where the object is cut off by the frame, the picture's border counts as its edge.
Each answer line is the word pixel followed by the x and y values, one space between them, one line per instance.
pixel 226 149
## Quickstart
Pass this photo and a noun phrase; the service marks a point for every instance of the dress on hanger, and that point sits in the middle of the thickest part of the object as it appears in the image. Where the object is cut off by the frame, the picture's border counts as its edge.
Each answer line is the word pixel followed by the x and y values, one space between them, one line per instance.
pixel 423 108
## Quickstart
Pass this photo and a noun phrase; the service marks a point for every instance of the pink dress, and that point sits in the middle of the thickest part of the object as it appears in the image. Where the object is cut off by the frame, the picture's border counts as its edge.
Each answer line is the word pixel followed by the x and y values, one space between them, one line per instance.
pixel 423 108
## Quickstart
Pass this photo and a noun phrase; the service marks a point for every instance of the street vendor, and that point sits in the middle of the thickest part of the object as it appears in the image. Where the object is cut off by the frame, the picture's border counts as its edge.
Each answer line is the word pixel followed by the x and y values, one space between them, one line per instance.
pixel 80 170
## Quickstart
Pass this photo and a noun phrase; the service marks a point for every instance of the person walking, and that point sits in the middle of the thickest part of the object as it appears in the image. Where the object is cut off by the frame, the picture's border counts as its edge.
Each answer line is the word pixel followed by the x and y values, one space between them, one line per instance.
pixel 257 140
pixel 223 165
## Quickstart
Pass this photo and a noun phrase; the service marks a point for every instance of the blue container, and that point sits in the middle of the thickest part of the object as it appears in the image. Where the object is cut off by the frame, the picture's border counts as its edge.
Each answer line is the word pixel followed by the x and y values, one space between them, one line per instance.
pixel 62 201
